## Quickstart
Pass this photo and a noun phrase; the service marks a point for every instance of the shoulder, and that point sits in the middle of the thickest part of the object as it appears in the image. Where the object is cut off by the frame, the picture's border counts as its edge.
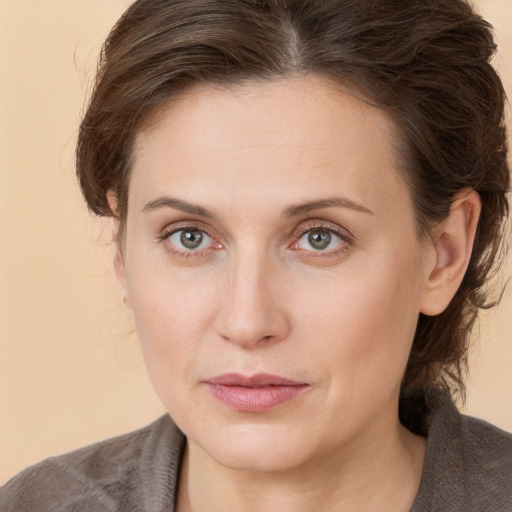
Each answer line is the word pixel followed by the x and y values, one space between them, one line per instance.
pixel 483 450
pixel 128 472
pixel 468 465
pixel 488 457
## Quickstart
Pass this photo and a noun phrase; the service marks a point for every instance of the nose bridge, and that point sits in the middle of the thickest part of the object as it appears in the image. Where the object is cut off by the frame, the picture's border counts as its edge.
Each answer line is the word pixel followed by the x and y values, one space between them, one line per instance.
pixel 250 310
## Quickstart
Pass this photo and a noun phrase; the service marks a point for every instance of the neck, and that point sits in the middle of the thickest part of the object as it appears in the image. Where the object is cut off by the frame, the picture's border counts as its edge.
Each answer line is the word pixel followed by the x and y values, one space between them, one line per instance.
pixel 379 471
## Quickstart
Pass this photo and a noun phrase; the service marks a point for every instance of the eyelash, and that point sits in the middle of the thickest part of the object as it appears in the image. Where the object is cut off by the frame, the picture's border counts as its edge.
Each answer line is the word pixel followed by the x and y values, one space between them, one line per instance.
pixel 346 241
pixel 165 235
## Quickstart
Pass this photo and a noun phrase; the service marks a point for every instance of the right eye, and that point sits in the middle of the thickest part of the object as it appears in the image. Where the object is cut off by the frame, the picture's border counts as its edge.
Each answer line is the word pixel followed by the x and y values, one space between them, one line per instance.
pixel 319 239
pixel 189 239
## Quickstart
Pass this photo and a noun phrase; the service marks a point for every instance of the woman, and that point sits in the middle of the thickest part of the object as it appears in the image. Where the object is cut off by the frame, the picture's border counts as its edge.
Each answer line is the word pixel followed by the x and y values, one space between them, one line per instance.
pixel 309 198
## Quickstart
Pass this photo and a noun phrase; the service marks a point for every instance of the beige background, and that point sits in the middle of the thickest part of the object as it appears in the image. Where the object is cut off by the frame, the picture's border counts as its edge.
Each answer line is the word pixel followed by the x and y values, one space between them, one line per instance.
pixel 70 368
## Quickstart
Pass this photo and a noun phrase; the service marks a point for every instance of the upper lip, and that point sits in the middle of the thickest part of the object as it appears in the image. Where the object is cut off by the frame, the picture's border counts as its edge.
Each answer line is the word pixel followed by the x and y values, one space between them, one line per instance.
pixel 259 380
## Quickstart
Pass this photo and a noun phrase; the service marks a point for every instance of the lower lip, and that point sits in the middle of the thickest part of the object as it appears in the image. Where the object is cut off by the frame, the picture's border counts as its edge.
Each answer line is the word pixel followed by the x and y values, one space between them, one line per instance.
pixel 255 399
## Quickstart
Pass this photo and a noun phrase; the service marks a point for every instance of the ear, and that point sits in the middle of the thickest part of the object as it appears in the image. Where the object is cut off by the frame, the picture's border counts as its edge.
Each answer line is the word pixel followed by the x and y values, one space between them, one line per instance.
pixel 119 264
pixel 453 244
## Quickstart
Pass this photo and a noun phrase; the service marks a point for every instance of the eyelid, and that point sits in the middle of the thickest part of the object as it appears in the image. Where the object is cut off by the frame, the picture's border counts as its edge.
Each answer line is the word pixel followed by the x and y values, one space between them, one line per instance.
pixel 309 225
pixel 165 234
pixel 205 239
pixel 347 239
pixel 173 227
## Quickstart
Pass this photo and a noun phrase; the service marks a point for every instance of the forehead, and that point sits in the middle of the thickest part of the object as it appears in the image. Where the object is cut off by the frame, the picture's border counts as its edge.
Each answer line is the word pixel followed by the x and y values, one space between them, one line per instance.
pixel 302 136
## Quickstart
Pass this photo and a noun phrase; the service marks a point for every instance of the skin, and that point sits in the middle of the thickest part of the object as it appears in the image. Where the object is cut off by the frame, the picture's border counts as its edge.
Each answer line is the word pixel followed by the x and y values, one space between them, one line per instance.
pixel 257 296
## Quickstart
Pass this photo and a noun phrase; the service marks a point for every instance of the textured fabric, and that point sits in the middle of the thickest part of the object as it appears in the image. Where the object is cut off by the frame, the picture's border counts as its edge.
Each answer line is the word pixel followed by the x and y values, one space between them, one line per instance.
pixel 468 468
pixel 135 472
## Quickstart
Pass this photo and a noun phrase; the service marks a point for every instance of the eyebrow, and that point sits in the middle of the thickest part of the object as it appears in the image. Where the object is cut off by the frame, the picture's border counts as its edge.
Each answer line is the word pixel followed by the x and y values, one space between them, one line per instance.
pixel 343 202
pixel 179 204
pixel 291 211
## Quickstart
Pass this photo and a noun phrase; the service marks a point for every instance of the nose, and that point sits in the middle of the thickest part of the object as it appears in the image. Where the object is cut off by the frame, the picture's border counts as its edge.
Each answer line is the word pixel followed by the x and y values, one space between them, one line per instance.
pixel 252 305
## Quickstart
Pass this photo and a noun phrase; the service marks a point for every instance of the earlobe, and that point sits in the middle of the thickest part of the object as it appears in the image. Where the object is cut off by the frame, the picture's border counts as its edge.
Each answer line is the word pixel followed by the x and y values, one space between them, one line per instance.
pixel 112 201
pixel 119 264
pixel 453 244
pixel 120 272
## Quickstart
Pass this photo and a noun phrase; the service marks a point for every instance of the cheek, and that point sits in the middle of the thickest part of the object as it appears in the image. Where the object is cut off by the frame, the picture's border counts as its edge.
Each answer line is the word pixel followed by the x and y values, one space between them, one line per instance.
pixel 367 320
pixel 170 322
pixel 172 314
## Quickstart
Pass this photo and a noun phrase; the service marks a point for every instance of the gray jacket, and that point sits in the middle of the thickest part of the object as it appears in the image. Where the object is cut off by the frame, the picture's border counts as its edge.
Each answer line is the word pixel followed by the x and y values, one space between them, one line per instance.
pixel 468 468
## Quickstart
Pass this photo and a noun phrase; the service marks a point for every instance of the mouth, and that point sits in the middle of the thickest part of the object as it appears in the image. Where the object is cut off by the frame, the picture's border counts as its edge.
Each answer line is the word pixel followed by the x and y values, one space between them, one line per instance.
pixel 256 393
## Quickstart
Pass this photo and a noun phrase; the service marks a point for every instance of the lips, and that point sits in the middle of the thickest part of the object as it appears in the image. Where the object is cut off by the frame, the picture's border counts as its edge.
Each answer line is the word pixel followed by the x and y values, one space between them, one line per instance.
pixel 256 393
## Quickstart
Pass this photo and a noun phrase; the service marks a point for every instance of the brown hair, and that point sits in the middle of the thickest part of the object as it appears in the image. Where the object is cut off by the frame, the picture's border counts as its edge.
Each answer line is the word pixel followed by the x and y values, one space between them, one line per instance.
pixel 425 62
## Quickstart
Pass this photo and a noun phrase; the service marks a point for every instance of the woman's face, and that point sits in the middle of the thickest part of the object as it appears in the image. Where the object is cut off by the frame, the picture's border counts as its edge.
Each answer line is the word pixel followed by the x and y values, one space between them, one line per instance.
pixel 272 264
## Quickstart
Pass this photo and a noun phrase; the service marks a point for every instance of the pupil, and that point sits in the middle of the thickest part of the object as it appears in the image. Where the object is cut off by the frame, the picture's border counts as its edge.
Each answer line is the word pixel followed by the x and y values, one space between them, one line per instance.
pixel 191 239
pixel 319 239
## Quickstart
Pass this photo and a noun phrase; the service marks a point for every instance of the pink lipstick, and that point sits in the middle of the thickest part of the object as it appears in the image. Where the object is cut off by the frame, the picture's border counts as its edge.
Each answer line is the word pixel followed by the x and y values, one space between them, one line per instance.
pixel 257 393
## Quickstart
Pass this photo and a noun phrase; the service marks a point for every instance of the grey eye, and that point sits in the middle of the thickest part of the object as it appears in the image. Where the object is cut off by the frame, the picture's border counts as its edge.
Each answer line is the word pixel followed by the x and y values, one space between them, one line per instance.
pixel 190 239
pixel 319 239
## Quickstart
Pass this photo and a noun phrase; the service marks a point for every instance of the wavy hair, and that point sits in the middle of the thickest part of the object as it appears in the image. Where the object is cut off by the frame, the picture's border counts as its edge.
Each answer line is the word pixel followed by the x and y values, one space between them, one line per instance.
pixel 427 64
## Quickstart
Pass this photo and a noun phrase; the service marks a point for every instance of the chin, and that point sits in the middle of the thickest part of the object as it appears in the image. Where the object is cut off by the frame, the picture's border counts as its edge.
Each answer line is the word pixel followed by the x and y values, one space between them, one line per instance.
pixel 256 448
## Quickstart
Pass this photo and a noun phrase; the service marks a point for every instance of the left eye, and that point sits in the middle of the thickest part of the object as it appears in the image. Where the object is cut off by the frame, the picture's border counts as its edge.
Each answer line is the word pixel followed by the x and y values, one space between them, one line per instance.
pixel 190 239
pixel 319 239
